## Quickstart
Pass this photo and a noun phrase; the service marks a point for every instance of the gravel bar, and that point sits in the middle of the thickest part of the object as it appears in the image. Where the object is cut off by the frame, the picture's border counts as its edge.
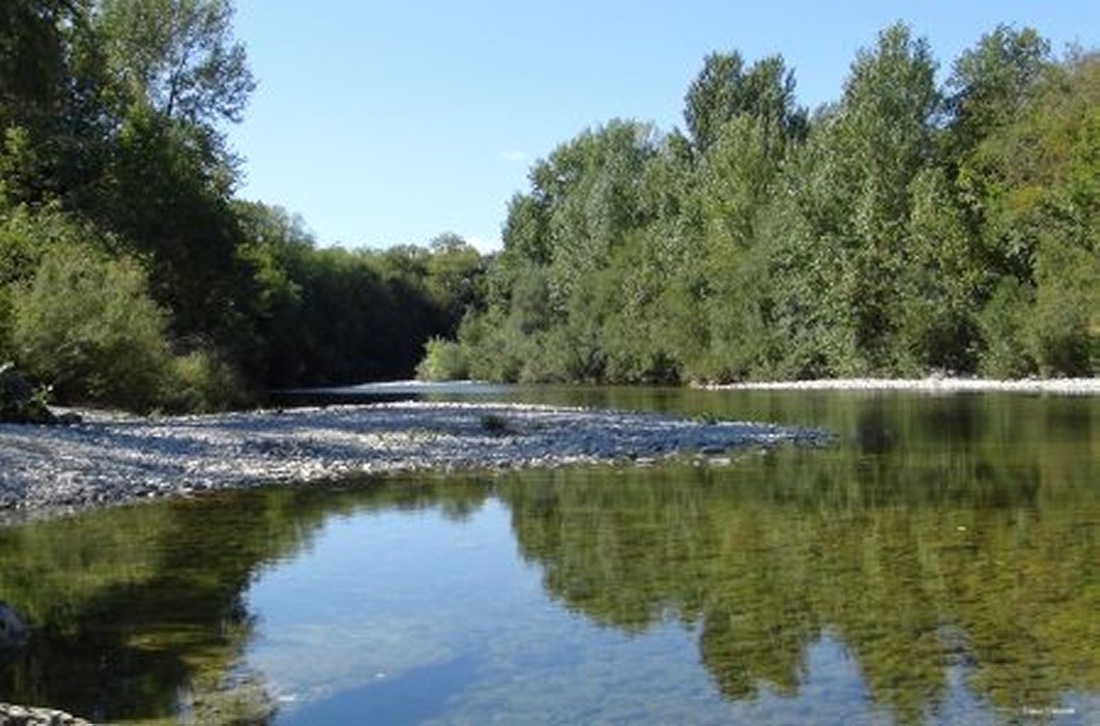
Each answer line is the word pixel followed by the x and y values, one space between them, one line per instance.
pixel 114 458
pixel 933 384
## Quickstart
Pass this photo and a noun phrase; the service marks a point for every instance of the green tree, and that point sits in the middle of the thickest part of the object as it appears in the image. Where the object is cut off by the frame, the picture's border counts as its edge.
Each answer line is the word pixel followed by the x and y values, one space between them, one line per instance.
pixel 274 248
pixel 943 283
pixel 724 89
pixel 1056 198
pixel 991 85
pixel 586 199
pixel 177 56
pixel 738 181
pixel 173 74
pixel 53 128
pixel 169 202
pixel 1032 181
pixel 872 148
pixel 454 279
pixel 992 82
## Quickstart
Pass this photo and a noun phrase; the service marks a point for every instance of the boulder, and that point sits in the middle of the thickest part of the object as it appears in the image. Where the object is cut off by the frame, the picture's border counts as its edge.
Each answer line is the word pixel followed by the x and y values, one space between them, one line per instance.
pixel 13 715
pixel 20 402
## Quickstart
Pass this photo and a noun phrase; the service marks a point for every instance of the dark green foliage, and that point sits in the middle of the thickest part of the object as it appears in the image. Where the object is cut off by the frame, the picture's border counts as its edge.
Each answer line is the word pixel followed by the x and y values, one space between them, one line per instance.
pixel 129 275
pixel 1004 324
pixel 334 316
pixel 902 230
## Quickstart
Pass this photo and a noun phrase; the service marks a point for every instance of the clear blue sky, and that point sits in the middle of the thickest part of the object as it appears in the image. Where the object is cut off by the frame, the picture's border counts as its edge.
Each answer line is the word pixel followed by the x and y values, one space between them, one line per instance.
pixel 384 123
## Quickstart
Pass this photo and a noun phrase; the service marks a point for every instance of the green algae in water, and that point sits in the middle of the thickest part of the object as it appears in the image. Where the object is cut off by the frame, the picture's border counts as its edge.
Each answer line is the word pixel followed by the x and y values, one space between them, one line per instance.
pixel 938 564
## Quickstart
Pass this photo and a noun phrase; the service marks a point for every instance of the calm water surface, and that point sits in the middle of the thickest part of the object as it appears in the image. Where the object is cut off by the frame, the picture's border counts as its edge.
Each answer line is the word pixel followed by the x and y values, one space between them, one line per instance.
pixel 940 563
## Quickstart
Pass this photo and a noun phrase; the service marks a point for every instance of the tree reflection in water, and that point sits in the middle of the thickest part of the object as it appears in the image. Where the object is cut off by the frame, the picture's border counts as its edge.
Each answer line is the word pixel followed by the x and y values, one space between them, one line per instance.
pixel 938 552
pixel 943 547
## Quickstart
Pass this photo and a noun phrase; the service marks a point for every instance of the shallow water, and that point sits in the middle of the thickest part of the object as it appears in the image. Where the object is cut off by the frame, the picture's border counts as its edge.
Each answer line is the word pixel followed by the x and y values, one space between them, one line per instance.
pixel 940 563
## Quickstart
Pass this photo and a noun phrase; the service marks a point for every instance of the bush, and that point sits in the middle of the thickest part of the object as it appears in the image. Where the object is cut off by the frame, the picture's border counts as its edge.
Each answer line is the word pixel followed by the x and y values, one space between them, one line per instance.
pixel 85 324
pixel 200 382
pixel 1066 305
pixel 444 360
pixel 1002 324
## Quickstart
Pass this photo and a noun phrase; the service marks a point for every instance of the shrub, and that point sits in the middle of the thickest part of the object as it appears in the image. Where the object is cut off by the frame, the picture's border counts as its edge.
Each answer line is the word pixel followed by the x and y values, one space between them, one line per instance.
pixel 444 360
pixel 1066 304
pixel 496 425
pixel 85 324
pixel 200 382
pixel 1002 324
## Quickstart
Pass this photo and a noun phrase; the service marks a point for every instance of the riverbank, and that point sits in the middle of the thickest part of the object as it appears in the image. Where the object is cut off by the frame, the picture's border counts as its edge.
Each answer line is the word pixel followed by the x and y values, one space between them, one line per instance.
pixel 1055 386
pixel 112 458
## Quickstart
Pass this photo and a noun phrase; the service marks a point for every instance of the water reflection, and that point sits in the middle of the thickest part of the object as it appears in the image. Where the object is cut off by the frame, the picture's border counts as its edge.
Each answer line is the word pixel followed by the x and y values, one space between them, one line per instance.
pixel 938 565
pixel 910 587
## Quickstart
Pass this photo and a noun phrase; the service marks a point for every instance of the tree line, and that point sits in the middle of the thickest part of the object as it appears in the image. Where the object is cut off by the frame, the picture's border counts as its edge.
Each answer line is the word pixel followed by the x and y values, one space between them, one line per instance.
pixel 908 228
pixel 130 273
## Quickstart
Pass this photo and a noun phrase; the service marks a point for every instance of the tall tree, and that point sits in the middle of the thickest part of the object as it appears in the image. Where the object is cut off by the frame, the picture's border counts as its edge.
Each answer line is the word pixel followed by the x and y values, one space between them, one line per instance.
pixel 993 85
pixel 178 56
pixel 879 141
pixel 1040 199
pixel 725 89
pixel 992 82
pixel 51 133
pixel 176 74
pixel 713 98
pixel 591 187
pixel 31 56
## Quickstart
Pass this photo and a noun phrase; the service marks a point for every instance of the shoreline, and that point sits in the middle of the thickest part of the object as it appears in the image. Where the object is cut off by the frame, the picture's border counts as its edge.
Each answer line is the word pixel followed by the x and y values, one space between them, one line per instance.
pixel 931 384
pixel 113 458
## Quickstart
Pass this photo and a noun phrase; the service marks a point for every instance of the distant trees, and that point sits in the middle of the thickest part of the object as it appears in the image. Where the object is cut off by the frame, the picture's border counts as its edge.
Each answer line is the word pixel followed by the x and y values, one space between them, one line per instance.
pixel 331 315
pixel 905 229
pixel 129 274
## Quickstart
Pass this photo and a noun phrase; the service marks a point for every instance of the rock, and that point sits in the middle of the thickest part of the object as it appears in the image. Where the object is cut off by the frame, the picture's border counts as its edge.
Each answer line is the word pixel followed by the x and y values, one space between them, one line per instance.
pixel 12 715
pixel 68 419
pixel 20 402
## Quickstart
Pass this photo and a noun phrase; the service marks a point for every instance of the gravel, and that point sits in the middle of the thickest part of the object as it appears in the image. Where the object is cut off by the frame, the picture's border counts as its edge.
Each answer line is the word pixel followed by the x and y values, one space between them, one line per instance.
pixel 114 458
pixel 12 715
pixel 933 384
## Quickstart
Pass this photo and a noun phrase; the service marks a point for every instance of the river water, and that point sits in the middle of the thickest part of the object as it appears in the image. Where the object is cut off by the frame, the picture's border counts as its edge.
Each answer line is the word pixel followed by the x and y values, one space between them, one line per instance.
pixel 939 563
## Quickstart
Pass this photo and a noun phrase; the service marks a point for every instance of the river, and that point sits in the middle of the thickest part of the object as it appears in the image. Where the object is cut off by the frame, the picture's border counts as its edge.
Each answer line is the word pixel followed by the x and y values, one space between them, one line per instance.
pixel 937 563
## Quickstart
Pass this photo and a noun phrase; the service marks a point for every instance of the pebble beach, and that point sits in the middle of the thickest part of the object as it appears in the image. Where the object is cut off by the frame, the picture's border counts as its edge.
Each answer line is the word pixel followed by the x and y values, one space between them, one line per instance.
pixel 935 384
pixel 112 458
